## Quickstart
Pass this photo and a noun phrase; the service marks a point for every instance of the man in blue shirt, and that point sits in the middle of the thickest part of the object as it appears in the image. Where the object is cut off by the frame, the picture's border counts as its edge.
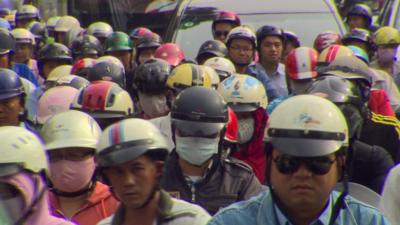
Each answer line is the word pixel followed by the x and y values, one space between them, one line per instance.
pixel 308 140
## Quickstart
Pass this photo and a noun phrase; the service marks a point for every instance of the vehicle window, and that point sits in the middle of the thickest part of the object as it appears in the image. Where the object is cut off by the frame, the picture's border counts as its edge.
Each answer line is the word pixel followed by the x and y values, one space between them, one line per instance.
pixel 194 30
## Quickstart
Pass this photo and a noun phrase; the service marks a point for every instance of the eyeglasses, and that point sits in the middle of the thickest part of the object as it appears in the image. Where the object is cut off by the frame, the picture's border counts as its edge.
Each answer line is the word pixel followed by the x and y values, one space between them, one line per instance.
pixel 72 155
pixel 239 49
pixel 221 33
pixel 317 165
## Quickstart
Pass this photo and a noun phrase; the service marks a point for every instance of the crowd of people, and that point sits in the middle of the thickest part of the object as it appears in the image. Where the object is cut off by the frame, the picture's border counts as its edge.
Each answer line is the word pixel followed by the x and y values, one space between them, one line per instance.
pixel 111 128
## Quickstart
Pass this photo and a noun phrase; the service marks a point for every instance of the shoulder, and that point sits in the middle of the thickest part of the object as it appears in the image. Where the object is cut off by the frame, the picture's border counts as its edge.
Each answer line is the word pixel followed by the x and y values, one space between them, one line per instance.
pixel 192 212
pixel 106 221
pixel 236 165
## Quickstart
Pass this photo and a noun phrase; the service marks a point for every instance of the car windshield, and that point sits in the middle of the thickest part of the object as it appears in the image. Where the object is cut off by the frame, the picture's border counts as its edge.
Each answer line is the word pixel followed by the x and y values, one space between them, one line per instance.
pixel 195 29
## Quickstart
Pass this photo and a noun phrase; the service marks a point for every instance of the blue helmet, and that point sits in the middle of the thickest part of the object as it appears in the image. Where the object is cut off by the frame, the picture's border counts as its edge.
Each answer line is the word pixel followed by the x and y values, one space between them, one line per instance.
pixel 7 42
pixel 10 84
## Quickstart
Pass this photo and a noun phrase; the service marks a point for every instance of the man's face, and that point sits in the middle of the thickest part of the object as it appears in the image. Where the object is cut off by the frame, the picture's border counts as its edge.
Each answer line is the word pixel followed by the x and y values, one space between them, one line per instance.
pixel 61 37
pixel 241 51
pixel 9 111
pixel 271 49
pixel 23 52
pixel 146 54
pixel 303 188
pixel 49 65
pixel 134 181
pixel 221 31
pixel 356 22
pixel 124 56
pixel 4 61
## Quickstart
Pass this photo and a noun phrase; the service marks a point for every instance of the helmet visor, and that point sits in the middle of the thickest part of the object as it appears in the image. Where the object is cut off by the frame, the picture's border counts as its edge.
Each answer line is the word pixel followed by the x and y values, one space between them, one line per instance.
pixel 197 129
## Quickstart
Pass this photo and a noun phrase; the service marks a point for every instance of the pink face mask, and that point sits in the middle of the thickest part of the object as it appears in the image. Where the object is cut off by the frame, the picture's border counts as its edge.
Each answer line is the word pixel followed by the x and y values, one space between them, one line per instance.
pixel 71 176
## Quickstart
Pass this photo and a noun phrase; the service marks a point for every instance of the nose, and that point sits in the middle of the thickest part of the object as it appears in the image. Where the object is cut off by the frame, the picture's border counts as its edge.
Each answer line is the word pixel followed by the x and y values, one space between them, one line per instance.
pixel 302 171
pixel 129 179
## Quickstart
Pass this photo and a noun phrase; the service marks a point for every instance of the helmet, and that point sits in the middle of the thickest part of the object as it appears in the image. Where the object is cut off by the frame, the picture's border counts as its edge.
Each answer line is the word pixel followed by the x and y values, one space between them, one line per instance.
pixel 151 76
pixel 171 53
pixel 307 126
pixel 241 32
pixel 5 24
pixel 301 63
pixel 227 17
pixel 21 148
pixel 212 48
pixel 326 39
pixel 187 75
pixel 223 66
pixel 109 71
pixel 10 84
pixel 66 23
pixel 118 41
pixel 290 36
pixel 110 58
pixel 232 127
pixel 122 142
pixel 51 22
pixel 387 35
pixel 104 99
pixel 55 51
pixel 139 32
pixel 359 53
pixel 357 34
pixel 268 30
pixel 243 93
pixel 27 12
pixel 86 45
pixel 70 129
pixel 53 101
pixel 149 40
pixel 332 52
pixel 100 29
pixel 74 81
pixel 7 42
pixel 205 116
pixel 38 30
pixel 58 72
pixel 83 66
pixel 23 36
pixel 4 12
pixel 361 10
pixel 213 76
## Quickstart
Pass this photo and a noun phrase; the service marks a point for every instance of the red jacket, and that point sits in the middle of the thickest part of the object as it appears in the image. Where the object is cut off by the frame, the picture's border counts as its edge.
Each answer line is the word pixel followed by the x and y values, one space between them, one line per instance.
pixel 100 205
pixel 253 153
pixel 379 103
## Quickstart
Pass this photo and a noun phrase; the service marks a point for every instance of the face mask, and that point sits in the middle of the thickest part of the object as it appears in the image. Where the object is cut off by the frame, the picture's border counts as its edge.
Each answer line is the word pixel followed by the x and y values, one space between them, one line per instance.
pixel 246 130
pixel 196 150
pixel 386 55
pixel 71 176
pixel 153 105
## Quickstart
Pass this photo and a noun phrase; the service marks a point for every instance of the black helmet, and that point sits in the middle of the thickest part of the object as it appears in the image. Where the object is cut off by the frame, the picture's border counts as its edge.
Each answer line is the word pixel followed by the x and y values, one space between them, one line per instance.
pixel 10 84
pixel 211 48
pixel 199 111
pixel 361 10
pixel 151 76
pixel 268 30
pixel 108 71
pixel 55 51
pixel 7 41
pixel 151 40
pixel 86 45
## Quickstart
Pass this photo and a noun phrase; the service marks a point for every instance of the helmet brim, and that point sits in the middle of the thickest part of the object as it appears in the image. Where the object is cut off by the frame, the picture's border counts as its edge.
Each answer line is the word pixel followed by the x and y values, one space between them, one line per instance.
pixel 197 129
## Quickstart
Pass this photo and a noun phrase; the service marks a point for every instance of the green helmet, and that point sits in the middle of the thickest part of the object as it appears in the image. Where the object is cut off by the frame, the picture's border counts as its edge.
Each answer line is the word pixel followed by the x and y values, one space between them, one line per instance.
pixel 118 41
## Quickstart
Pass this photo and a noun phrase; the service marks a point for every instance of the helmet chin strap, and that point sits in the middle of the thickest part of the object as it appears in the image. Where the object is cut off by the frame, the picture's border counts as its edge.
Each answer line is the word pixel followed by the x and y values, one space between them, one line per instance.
pixel 91 186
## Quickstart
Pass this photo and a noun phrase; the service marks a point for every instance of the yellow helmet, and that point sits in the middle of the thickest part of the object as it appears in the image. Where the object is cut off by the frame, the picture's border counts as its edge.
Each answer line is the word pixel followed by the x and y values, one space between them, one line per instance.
pixel 188 75
pixel 387 35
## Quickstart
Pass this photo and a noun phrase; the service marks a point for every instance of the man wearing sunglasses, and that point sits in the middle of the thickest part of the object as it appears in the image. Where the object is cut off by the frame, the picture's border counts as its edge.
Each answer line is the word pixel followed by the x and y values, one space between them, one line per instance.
pixel 308 138
pixel 223 23
pixel 195 172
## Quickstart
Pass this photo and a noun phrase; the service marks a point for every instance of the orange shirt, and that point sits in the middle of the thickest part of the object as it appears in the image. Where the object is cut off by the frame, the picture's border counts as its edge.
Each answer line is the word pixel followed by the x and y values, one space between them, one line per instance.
pixel 100 205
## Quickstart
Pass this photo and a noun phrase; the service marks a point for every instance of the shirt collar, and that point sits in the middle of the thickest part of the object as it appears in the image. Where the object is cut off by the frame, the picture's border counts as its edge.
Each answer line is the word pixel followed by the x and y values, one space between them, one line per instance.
pixel 323 219
pixel 279 71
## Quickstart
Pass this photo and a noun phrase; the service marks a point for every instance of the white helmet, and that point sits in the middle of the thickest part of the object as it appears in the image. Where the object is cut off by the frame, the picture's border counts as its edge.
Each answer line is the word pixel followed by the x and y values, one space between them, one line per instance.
pixel 223 66
pixel 100 29
pixel 70 129
pixel 213 75
pixel 53 101
pixel 58 72
pixel 66 23
pixel 20 148
pixel 127 140
pixel 23 36
pixel 243 93
pixel 307 126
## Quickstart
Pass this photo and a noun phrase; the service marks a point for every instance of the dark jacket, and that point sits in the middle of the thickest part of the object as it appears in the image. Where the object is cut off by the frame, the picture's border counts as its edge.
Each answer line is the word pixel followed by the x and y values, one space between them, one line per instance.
pixel 228 180
pixel 369 165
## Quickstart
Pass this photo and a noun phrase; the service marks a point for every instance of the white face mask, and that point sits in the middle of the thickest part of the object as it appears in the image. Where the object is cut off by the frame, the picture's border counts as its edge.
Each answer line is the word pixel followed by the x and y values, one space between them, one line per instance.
pixel 153 105
pixel 196 150
pixel 246 130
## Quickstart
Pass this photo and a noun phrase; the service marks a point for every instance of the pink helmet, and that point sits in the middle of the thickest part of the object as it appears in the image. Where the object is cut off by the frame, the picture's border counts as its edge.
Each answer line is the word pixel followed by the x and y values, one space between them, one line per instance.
pixel 171 53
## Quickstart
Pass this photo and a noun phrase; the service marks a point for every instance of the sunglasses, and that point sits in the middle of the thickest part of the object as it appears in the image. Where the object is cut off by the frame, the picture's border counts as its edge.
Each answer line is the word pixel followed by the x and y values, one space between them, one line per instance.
pixel 317 165
pixel 221 33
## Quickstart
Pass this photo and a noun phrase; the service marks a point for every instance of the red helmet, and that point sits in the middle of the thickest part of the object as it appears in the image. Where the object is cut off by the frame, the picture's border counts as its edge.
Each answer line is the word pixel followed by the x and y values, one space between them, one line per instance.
pixel 171 53
pixel 326 39
pixel 231 133
pixel 301 63
pixel 227 16
pixel 82 67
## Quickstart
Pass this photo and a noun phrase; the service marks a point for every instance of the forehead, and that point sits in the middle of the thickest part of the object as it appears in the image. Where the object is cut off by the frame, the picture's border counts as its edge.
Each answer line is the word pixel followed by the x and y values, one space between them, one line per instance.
pixel 271 39
pixel 277 152
pixel 241 42
pixel 141 160
pixel 223 26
